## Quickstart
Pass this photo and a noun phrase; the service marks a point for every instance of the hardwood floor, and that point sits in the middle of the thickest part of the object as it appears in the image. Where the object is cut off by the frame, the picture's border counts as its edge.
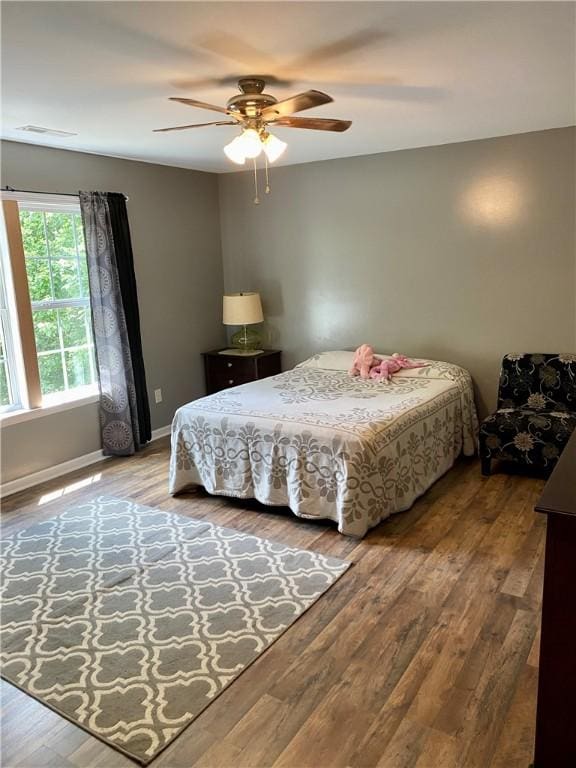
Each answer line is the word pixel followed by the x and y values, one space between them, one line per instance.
pixel 424 655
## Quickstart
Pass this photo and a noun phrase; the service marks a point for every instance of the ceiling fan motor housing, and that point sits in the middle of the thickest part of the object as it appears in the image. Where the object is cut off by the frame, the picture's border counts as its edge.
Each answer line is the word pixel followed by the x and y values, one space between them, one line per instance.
pixel 251 101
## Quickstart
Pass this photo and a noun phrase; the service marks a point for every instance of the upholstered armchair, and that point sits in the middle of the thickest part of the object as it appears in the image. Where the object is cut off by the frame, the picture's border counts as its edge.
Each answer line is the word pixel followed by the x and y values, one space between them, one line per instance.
pixel 536 411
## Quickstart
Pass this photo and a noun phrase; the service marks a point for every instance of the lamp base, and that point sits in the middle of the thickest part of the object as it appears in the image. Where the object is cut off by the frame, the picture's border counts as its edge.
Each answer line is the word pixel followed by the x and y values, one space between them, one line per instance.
pixel 246 339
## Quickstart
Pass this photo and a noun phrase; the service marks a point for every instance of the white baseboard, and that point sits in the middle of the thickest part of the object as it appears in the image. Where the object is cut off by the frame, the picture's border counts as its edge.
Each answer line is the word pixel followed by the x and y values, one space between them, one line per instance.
pixel 161 432
pixel 21 483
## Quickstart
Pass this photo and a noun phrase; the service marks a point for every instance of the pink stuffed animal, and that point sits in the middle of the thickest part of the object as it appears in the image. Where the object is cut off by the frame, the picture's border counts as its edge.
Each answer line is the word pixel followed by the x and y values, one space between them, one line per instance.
pixel 385 368
pixel 364 360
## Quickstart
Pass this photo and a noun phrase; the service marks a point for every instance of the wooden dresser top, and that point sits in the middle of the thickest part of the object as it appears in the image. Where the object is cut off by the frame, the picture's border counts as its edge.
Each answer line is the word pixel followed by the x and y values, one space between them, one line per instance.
pixel 559 494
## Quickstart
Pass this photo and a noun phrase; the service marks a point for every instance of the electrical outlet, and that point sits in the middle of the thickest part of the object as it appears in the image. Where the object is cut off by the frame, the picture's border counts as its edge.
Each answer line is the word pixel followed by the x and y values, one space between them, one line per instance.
pixel 158 395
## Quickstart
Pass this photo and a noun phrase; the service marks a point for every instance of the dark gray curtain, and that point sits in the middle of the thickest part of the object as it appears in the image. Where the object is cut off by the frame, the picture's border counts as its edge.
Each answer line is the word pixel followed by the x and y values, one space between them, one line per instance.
pixel 124 409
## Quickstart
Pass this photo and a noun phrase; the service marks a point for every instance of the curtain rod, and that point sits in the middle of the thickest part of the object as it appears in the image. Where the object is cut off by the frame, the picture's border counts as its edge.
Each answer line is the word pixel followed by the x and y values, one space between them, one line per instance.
pixel 35 192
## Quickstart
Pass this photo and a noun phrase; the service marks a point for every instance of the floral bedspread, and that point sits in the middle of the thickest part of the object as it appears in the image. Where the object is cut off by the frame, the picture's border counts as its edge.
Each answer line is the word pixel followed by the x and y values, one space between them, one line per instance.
pixel 325 444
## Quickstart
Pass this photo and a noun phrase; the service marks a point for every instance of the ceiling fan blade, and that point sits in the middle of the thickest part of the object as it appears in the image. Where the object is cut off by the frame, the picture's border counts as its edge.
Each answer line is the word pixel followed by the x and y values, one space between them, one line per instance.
pixel 351 43
pixel 194 125
pixel 312 123
pixel 200 104
pixel 298 103
pixel 233 48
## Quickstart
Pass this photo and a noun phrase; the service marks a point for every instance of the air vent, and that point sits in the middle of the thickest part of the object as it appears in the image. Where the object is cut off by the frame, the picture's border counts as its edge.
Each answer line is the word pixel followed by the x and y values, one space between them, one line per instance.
pixel 45 131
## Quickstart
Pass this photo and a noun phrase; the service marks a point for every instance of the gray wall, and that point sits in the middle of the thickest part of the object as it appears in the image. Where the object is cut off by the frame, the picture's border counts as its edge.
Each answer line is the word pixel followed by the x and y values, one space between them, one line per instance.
pixel 459 252
pixel 175 231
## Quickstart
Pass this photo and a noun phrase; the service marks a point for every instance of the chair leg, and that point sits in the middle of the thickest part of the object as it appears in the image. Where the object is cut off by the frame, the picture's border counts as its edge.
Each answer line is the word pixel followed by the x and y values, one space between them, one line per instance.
pixel 486 462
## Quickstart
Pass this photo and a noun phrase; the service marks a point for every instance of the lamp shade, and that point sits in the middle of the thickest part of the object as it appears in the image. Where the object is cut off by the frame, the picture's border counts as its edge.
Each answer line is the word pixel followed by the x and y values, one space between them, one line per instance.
pixel 242 309
pixel 273 147
pixel 250 142
pixel 234 151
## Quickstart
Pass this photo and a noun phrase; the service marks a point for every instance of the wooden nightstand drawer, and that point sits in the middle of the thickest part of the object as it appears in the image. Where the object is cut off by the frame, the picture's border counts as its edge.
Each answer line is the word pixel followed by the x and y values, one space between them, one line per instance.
pixel 223 380
pixel 223 371
pixel 222 365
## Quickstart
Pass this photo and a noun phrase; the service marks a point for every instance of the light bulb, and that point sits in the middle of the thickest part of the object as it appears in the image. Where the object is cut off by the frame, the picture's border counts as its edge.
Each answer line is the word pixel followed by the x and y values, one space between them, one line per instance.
pixel 273 147
pixel 250 142
pixel 235 151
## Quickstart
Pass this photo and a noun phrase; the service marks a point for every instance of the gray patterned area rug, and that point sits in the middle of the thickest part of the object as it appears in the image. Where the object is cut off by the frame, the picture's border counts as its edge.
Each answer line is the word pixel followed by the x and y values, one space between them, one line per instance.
pixel 129 621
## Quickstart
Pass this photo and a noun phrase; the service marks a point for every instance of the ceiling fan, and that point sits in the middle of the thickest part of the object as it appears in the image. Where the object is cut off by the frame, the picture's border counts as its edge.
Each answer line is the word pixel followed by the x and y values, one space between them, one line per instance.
pixel 255 112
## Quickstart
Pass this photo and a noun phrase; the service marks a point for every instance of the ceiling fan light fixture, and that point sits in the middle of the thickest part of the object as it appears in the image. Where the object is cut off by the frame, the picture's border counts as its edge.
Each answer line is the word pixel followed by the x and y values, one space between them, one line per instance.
pixel 250 143
pixel 273 147
pixel 235 151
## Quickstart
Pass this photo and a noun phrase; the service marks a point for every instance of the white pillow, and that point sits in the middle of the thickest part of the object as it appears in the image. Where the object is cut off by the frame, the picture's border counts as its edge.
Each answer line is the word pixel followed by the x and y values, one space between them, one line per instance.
pixel 434 369
pixel 333 361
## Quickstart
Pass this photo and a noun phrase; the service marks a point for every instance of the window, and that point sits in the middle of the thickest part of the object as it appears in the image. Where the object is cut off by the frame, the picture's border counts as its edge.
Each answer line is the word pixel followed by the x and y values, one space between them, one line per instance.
pixel 58 283
pixel 8 380
pixel 50 243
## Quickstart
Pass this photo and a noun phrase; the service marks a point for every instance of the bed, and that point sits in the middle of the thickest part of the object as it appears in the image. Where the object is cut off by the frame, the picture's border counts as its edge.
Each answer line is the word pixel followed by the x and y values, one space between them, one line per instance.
pixel 325 444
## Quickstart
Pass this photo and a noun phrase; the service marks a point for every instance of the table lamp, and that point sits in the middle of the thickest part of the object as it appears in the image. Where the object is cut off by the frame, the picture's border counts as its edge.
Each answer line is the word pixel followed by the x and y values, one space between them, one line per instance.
pixel 243 309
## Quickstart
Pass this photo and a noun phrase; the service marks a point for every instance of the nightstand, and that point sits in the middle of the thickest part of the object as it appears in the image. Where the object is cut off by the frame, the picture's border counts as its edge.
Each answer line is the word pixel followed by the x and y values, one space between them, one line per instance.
pixel 224 371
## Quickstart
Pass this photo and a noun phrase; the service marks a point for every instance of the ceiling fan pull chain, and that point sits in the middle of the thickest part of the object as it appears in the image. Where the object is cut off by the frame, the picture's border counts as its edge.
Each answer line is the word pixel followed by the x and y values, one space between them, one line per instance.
pixel 267 190
pixel 256 198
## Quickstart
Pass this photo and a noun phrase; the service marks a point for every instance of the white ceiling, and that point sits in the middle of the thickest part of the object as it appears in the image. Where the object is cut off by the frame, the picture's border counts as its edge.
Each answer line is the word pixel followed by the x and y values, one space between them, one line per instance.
pixel 407 74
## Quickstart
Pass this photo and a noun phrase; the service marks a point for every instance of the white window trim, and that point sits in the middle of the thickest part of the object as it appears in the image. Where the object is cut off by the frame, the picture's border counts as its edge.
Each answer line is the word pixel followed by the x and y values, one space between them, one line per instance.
pixel 10 355
pixel 89 395
pixel 42 201
pixel 16 355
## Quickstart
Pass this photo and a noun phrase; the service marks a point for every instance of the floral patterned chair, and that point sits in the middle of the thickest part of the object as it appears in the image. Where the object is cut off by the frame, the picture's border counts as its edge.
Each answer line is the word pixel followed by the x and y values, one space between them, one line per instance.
pixel 536 411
